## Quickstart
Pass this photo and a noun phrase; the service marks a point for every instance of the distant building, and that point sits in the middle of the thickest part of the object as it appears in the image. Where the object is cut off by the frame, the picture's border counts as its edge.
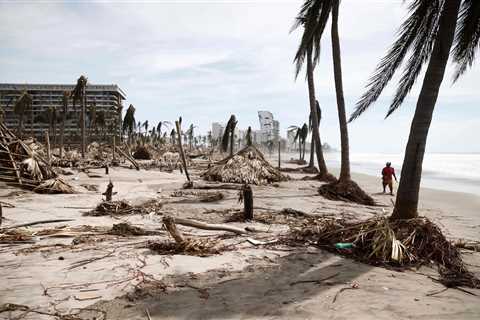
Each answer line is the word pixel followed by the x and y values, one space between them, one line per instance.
pixel 269 128
pixel 217 130
pixel 107 99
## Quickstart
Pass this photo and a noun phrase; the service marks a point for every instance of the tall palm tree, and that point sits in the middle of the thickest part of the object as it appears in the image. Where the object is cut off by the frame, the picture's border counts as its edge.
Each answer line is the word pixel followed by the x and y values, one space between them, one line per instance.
pixel 313 16
pixel 92 120
pixel 23 103
pixel 79 94
pixel 190 134
pixel 129 122
pixel 172 137
pixel 428 34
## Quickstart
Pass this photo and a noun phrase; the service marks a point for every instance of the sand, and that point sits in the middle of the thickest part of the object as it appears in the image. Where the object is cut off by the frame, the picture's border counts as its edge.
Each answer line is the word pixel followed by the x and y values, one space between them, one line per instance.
pixel 247 282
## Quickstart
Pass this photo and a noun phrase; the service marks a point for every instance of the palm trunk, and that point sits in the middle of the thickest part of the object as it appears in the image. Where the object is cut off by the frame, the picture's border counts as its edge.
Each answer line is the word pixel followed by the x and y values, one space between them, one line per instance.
pixel 31 120
pixel 406 205
pixel 20 126
pixel 312 151
pixel 322 167
pixel 342 118
pixel 62 133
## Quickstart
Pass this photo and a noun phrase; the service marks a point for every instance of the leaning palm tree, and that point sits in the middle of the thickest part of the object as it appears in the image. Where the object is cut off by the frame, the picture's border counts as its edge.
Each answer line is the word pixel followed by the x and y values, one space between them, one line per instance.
pixel 23 103
pixel 229 134
pixel 79 94
pixel 428 34
pixel 313 16
pixel 129 122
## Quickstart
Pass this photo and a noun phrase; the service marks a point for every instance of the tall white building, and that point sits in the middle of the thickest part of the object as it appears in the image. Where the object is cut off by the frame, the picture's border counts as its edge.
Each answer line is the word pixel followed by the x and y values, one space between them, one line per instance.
pixel 269 128
pixel 217 130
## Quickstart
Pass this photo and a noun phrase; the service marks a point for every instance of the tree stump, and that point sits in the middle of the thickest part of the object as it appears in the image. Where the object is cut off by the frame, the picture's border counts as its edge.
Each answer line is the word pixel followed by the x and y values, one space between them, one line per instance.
pixel 1 214
pixel 108 193
pixel 106 169
pixel 247 202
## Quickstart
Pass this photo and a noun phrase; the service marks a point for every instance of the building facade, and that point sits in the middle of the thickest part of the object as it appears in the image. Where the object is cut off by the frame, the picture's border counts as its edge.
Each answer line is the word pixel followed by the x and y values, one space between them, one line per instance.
pixel 103 109
pixel 269 128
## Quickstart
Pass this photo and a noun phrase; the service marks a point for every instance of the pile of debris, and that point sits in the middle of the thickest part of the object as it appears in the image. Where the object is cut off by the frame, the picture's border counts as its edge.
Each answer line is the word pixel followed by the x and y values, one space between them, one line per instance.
pixel 22 166
pixel 398 243
pixel 123 207
pixel 246 166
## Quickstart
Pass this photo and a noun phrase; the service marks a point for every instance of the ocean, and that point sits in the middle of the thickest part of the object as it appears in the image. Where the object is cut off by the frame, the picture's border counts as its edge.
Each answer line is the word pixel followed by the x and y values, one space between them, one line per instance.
pixel 445 171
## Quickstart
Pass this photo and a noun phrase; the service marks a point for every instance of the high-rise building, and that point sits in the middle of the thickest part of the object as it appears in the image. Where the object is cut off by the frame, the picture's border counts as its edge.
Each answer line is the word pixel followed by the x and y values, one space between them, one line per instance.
pixel 107 100
pixel 217 130
pixel 269 128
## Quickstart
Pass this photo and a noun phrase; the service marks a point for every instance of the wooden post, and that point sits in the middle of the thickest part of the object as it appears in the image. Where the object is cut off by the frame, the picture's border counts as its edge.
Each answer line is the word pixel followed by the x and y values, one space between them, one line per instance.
pixel 47 142
pixel 247 202
pixel 108 193
pixel 106 168
pixel 279 144
pixel 179 135
pixel 1 214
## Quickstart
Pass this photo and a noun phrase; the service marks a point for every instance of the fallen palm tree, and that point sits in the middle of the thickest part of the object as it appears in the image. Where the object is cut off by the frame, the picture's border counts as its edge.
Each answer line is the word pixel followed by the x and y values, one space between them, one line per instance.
pixel 246 166
pixel 345 191
pixel 123 207
pixel 399 243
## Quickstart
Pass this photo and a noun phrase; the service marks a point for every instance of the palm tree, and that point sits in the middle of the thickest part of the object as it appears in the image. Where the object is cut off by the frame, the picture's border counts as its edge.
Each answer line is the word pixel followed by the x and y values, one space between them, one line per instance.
pixel 79 94
pixel 128 125
pixel 248 136
pixel 23 103
pixel 313 16
pixel 92 120
pixel 52 121
pixel 429 34
pixel 172 136
pixel 229 134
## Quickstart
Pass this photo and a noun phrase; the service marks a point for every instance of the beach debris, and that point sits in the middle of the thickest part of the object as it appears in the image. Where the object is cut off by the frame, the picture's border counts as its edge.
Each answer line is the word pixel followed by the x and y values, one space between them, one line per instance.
pixel 54 186
pixel 18 311
pixel 123 207
pixel 399 243
pixel 345 191
pixel 125 229
pixel 28 224
pixel 90 187
pixel 213 186
pixel 246 166
pixel 182 245
pixel 197 196
pixel 142 153
pixel 353 285
pixel 178 124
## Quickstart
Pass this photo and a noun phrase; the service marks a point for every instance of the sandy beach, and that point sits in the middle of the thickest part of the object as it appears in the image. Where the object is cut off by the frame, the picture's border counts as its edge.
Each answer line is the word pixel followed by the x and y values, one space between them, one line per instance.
pixel 119 277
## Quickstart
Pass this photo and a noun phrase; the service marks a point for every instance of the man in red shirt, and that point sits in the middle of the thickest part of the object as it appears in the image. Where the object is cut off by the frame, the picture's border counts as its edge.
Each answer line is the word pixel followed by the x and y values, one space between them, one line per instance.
pixel 387 173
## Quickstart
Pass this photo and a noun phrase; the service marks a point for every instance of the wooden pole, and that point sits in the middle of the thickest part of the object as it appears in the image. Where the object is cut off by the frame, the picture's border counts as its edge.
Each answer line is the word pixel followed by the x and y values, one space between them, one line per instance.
pixel 1 214
pixel 179 135
pixel 247 202
pixel 47 142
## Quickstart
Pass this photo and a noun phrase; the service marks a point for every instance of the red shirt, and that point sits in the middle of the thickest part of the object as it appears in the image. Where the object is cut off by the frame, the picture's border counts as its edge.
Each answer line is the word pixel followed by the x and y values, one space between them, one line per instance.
pixel 388 172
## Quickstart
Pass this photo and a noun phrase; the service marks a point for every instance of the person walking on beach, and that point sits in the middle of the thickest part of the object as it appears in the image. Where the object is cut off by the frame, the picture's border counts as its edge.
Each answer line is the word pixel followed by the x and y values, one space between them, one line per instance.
pixel 388 173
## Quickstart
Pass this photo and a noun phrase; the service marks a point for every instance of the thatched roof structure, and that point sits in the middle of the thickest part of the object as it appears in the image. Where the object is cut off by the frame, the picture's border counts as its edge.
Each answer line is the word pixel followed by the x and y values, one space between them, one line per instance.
pixel 246 166
pixel 23 166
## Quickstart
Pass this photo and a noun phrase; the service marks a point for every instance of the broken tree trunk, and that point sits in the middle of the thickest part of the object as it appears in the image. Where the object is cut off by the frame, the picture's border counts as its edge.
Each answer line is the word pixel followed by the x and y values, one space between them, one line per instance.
pixel 1 214
pixel 171 227
pixel 247 202
pixel 179 135
pixel 106 168
pixel 214 186
pixel 108 193
pixel 279 158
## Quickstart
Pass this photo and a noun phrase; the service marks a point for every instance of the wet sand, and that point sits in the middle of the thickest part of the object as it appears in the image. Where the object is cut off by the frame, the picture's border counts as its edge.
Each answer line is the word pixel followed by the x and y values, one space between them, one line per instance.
pixel 250 282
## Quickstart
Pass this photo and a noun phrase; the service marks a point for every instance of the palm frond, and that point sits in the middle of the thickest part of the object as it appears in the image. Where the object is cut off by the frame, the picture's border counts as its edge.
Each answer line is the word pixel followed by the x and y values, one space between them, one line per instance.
pixel 467 38
pixel 408 33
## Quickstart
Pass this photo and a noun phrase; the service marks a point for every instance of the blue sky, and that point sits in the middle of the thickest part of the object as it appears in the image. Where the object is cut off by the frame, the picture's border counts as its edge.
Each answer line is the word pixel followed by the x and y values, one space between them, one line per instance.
pixel 205 60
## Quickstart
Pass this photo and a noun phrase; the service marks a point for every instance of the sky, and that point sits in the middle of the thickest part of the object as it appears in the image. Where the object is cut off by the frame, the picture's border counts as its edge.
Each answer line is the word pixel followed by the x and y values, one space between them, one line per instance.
pixel 205 60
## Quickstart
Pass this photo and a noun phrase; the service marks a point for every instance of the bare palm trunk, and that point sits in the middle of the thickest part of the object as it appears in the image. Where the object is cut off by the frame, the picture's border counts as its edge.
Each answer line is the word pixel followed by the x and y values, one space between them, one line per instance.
pixel 342 118
pixel 406 204
pixel 322 167
pixel 62 134
pixel 20 127
pixel 31 120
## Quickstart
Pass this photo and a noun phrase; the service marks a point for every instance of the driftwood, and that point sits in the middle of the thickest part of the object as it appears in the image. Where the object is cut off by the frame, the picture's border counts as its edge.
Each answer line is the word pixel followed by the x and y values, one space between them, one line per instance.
pixel 171 227
pixel 129 158
pixel 205 226
pixel 214 186
pixel 294 212
pixel 35 223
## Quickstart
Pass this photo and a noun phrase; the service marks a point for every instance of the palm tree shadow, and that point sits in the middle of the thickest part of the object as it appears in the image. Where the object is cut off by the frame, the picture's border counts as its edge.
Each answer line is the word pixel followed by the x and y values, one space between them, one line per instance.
pixel 255 291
